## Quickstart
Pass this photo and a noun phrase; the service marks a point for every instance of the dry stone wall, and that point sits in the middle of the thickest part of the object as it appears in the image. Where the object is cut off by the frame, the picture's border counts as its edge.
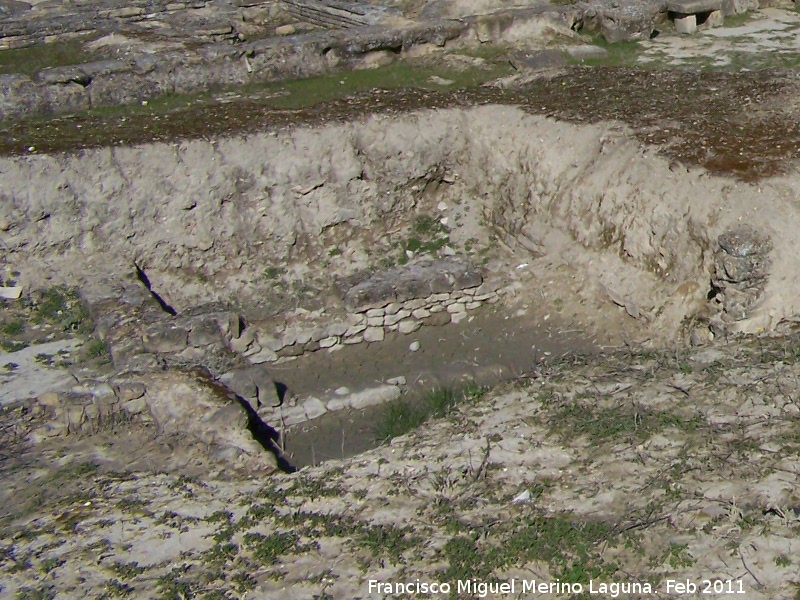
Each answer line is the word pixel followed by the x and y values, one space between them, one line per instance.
pixel 402 299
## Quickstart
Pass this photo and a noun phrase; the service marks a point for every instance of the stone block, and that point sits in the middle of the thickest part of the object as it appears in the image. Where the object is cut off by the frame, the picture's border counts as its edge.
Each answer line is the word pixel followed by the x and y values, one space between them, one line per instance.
pixel 285 30
pixel 409 326
pixel 421 313
pixel 314 407
pixel 271 343
pixel 714 19
pixel 355 329
pixel 457 317
pixel 252 350
pixel 686 25
pixel 135 407
pixel 390 320
pixel 374 334
pixel 587 51
pixel 689 7
pixel 262 356
pixel 48 399
pixel 103 394
pixel 457 307
pixel 374 396
pixel 738 7
pixel 319 333
pixel 328 342
pixel 337 329
pixel 415 304
pixel 415 280
pixel 164 338
pixel 205 332
pixel 293 350
pixel 127 12
pixel 337 404
pixel 303 337
pixel 293 415
pixel 92 413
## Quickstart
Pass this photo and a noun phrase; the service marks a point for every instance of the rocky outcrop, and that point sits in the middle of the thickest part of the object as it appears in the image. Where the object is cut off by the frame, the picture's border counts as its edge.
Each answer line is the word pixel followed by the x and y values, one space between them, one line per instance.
pixel 186 406
pixel 412 281
pixel 154 72
pixel 741 269
pixel 623 20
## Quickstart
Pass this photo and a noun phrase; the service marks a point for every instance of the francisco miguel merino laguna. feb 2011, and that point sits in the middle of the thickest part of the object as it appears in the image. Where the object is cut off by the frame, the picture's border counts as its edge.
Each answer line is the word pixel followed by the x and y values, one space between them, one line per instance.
pixel 481 589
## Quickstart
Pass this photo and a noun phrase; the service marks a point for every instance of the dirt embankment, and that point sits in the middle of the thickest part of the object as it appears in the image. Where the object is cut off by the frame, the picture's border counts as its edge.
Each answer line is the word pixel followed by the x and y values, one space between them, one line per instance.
pixel 251 221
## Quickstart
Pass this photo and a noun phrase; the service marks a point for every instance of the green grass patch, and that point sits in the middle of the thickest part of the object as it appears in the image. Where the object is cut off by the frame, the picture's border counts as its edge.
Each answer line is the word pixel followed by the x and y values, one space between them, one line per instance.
pixel 15 327
pixel 267 549
pixel 618 54
pixel 303 93
pixel 33 59
pixel 569 547
pixel 398 418
pixel 13 345
pixel 37 593
pixel 49 564
pixel 116 589
pixel 127 570
pixel 617 422
pixel 96 349
pixel 171 586
pixel 63 308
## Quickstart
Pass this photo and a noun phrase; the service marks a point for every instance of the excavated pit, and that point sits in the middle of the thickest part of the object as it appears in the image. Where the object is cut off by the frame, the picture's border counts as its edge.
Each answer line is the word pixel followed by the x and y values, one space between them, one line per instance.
pixel 258 241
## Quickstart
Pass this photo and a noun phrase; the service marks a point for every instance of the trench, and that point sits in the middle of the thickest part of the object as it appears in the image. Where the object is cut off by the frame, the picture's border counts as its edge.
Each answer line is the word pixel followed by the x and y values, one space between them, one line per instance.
pixel 598 240
pixel 495 346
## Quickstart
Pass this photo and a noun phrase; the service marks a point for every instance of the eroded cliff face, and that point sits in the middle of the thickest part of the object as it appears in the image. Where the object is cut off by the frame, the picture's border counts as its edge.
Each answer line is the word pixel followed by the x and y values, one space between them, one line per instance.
pixel 279 220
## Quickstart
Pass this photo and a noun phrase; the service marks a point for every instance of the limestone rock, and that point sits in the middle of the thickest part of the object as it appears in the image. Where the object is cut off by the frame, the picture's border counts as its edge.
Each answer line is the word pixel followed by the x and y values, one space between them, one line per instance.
pixel 741 269
pixel 374 396
pixel 686 24
pixel 190 403
pixel 165 337
pixel 254 384
pixel 417 279
pixel 744 241
pixel 374 334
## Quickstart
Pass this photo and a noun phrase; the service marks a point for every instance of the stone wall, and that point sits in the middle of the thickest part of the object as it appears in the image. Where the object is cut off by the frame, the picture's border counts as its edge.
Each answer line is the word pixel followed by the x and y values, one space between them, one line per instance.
pixel 402 299
pixel 25 25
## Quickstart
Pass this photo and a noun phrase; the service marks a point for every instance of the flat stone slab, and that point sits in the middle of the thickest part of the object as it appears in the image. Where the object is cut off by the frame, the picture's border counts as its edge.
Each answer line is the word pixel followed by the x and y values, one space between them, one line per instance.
pixel 23 376
pixel 691 7
pixel 414 280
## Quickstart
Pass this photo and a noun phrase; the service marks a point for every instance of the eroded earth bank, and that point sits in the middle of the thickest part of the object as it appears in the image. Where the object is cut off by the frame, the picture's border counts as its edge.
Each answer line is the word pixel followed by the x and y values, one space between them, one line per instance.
pixel 594 305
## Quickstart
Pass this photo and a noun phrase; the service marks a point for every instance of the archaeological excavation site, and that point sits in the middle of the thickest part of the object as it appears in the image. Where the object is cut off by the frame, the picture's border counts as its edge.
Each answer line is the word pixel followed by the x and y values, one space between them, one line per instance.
pixel 314 299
